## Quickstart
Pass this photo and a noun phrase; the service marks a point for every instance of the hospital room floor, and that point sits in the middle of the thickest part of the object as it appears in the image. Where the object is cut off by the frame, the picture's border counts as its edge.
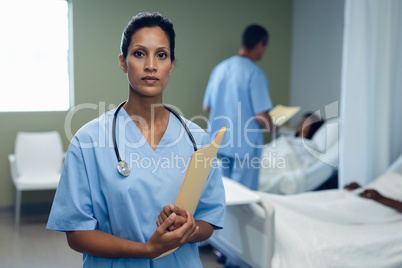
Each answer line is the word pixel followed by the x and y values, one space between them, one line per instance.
pixel 35 247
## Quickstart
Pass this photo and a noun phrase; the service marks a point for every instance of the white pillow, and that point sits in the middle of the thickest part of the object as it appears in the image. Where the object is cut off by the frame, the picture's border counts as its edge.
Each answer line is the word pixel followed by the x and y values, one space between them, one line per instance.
pixel 326 135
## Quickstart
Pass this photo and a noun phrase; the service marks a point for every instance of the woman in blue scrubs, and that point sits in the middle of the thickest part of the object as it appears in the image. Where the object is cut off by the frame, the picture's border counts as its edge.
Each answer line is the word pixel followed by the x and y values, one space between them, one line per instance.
pixel 127 221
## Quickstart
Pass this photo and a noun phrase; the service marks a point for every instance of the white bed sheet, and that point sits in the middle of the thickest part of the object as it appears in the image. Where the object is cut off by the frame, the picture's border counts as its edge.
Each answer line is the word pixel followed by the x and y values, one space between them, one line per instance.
pixel 238 194
pixel 336 228
pixel 288 165
pixel 317 174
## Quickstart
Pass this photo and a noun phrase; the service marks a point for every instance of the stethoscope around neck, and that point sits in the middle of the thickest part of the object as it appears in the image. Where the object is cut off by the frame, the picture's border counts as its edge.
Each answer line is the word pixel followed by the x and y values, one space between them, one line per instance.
pixel 122 166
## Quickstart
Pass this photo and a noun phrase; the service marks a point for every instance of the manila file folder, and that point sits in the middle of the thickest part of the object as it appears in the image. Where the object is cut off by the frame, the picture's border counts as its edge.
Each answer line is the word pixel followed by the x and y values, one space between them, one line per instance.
pixel 197 174
pixel 280 114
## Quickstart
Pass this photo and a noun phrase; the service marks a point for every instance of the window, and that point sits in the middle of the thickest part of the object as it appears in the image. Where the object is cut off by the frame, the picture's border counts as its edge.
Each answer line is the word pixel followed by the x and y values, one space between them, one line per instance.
pixel 34 69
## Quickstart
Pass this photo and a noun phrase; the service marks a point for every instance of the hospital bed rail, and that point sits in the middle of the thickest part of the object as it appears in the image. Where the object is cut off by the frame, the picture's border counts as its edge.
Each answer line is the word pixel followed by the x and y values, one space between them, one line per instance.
pixel 248 241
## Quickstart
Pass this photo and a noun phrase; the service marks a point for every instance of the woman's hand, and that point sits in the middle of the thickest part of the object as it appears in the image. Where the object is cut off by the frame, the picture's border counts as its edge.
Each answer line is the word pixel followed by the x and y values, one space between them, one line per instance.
pixel 168 210
pixel 205 229
pixel 164 240
pixel 352 186
pixel 102 244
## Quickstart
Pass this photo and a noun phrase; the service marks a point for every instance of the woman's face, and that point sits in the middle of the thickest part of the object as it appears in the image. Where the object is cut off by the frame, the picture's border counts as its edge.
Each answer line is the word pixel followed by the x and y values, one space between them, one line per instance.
pixel 148 65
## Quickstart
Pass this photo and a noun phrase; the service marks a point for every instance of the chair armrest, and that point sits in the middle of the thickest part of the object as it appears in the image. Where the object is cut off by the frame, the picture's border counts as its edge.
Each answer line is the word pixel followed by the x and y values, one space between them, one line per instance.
pixel 13 166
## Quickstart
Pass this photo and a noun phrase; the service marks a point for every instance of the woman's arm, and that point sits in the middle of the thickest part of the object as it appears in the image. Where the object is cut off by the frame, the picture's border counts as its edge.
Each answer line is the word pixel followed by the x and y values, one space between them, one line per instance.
pixel 102 244
pixel 374 195
pixel 205 231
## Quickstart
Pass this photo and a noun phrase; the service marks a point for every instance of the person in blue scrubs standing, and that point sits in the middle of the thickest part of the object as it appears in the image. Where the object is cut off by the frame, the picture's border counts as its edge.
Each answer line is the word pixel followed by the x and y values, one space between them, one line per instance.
pixel 237 97
pixel 128 221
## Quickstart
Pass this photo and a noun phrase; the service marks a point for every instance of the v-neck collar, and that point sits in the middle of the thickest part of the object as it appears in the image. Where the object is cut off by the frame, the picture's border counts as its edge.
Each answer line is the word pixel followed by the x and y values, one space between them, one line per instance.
pixel 138 132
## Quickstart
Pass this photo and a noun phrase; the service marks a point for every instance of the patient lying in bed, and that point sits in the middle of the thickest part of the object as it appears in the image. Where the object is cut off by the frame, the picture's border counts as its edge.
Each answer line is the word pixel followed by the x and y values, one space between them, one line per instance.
pixel 308 126
pixel 302 162
pixel 338 228
pixel 376 196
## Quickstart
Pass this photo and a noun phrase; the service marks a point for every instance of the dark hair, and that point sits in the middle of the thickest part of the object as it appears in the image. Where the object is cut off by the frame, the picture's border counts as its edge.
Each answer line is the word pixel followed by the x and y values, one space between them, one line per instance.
pixel 253 34
pixel 147 19
pixel 316 123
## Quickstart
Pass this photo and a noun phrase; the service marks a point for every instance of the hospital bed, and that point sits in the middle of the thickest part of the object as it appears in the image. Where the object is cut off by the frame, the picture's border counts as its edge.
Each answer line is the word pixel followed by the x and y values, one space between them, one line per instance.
pixel 292 165
pixel 331 228
pixel 248 237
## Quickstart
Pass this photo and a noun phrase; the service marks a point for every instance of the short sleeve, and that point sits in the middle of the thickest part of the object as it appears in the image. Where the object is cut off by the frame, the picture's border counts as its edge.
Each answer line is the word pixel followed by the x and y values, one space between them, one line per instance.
pixel 259 93
pixel 207 95
pixel 212 205
pixel 72 206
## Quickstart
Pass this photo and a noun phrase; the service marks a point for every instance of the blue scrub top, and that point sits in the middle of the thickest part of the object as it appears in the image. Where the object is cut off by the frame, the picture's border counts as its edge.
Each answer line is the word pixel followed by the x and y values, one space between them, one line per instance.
pixel 237 90
pixel 93 195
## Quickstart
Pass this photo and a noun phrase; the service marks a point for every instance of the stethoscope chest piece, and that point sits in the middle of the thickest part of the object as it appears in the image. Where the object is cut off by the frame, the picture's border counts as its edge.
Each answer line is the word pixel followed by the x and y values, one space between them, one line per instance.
pixel 123 168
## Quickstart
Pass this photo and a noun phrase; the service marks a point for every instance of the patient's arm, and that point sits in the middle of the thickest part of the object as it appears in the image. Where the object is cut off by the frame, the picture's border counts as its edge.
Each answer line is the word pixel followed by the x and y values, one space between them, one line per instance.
pixel 373 194
pixel 351 186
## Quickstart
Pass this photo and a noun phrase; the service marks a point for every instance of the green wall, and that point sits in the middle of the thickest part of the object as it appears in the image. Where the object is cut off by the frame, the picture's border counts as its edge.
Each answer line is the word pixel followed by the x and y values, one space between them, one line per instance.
pixel 206 33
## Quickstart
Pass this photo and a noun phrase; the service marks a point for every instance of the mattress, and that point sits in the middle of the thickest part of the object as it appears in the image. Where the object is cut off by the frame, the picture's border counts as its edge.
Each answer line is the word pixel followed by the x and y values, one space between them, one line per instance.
pixel 337 228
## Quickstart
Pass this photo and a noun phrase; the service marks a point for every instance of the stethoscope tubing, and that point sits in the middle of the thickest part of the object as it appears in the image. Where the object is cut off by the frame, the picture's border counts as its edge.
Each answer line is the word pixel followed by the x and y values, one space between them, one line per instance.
pixel 116 150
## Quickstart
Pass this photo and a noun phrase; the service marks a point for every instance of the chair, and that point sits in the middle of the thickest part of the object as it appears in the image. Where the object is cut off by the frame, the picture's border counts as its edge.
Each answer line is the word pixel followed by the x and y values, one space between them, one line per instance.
pixel 36 164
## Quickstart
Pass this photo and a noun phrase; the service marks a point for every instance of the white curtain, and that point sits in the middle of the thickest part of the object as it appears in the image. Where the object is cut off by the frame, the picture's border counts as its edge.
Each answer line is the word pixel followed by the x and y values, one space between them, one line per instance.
pixel 371 94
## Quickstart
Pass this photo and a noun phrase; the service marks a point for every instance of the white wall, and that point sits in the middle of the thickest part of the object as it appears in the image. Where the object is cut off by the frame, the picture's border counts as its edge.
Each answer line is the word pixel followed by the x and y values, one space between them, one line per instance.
pixel 316 59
